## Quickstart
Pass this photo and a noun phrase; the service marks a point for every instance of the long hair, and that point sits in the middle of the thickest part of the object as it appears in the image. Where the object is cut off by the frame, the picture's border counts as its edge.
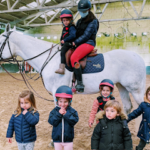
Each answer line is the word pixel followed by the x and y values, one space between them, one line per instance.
pixel 115 104
pixel 90 17
pixel 27 95
pixel 147 91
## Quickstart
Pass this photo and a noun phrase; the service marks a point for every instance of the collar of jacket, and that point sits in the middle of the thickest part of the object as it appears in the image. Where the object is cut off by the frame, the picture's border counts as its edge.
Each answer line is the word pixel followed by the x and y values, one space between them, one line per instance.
pixel 146 100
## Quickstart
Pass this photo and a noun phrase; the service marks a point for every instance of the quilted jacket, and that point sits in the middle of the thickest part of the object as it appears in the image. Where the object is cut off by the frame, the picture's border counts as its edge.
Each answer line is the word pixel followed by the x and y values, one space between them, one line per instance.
pixel 23 126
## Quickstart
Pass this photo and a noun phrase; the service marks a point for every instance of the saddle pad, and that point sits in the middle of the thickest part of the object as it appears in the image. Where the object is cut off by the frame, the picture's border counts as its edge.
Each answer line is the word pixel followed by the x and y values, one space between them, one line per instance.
pixel 93 64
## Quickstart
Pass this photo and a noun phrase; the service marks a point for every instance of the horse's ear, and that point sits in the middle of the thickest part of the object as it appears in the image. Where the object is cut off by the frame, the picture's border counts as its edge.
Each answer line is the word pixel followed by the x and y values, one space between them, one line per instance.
pixel 7 29
pixel 14 29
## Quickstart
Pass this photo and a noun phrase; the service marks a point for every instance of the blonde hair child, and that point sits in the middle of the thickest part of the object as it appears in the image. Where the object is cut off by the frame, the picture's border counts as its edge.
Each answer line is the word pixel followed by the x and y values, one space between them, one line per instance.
pixel 23 121
pixel 111 132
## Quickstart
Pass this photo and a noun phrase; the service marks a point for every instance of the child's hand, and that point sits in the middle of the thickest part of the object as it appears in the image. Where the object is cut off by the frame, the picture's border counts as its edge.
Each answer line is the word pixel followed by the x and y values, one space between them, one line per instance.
pixel 9 140
pixel 73 43
pixel 24 112
pixel 62 111
pixel 90 124
pixel 62 41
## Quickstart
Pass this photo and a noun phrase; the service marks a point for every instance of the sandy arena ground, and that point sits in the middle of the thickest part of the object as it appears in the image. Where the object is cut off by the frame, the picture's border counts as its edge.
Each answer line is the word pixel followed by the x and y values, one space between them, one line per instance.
pixel 9 90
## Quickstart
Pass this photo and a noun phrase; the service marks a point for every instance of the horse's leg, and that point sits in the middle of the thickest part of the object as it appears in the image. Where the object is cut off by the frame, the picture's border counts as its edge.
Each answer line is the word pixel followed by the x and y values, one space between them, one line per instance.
pixel 138 96
pixel 55 100
pixel 124 94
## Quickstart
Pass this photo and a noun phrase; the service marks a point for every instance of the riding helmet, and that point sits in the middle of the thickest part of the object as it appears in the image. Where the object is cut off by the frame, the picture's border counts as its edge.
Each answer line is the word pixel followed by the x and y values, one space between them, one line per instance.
pixel 64 91
pixel 107 82
pixel 66 13
pixel 84 5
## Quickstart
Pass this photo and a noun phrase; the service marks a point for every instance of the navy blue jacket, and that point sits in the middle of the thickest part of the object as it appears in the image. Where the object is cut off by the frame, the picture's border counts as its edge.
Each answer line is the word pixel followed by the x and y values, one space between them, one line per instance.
pixel 24 127
pixel 90 30
pixel 68 34
pixel 144 129
pixel 63 122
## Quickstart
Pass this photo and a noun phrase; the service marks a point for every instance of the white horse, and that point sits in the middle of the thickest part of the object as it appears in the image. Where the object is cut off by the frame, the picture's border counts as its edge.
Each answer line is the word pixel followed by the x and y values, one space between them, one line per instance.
pixel 125 68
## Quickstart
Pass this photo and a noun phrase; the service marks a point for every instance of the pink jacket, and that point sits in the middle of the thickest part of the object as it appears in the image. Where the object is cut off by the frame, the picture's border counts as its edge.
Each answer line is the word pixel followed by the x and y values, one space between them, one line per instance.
pixel 94 111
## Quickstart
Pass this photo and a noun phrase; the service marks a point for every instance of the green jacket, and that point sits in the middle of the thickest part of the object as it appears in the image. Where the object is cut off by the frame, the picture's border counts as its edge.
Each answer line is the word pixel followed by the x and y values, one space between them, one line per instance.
pixel 111 134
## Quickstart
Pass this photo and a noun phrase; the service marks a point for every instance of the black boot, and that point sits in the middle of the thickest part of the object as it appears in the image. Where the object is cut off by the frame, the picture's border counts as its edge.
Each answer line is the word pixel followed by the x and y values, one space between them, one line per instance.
pixel 78 74
pixel 137 148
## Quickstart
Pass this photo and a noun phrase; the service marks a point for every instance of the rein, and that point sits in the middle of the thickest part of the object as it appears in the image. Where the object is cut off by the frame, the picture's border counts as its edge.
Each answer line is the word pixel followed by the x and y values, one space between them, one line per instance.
pixel 20 70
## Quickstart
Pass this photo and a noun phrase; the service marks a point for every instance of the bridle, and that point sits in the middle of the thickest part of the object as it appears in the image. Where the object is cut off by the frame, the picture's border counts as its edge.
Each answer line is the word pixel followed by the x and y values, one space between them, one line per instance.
pixel 13 58
pixel 3 45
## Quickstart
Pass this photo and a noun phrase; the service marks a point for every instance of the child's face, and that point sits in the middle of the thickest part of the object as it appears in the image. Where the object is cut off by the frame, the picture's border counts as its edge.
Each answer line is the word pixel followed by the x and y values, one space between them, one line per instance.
pixel 148 96
pixel 63 102
pixel 105 91
pixel 66 21
pixel 111 113
pixel 25 103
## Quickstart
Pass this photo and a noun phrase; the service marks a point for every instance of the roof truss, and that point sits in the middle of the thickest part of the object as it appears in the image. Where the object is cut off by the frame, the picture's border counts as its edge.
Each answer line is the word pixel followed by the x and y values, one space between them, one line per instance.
pixel 30 16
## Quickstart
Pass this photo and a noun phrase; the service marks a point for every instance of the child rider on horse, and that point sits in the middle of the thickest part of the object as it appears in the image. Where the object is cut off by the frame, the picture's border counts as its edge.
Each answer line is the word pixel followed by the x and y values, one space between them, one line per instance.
pixel 68 36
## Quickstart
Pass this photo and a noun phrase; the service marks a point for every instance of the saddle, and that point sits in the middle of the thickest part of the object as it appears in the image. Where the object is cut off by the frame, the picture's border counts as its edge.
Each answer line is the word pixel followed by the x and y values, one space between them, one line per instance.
pixel 82 61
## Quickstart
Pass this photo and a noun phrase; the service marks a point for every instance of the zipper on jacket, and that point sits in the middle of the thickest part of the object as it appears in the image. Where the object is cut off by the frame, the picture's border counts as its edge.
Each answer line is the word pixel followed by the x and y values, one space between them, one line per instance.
pixel 62 129
pixel 112 131
pixel 21 129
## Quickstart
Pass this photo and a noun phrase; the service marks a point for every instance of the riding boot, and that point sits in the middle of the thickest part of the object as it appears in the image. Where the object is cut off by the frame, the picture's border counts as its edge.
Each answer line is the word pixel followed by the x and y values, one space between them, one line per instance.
pixel 78 73
pixel 138 148
pixel 61 69
pixel 141 145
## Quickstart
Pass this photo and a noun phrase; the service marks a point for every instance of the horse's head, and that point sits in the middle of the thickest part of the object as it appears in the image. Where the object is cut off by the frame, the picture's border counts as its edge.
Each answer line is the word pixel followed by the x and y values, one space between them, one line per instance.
pixel 5 51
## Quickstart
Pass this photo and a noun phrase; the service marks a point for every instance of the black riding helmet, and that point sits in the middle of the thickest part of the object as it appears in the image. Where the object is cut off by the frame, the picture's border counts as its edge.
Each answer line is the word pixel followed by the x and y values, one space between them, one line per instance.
pixel 84 5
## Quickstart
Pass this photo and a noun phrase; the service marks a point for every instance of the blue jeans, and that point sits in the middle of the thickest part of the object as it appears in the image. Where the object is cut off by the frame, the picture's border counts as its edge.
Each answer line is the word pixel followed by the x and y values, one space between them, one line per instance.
pixel 26 146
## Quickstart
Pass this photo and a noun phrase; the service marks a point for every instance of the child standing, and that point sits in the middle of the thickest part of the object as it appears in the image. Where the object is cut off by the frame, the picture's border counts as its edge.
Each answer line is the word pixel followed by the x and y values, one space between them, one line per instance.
pixel 111 133
pixel 23 122
pixel 144 129
pixel 106 88
pixel 63 118
pixel 68 36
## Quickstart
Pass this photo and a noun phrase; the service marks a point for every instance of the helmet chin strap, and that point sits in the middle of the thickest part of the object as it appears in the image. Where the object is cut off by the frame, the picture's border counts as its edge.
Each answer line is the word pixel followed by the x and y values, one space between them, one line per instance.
pixel 107 96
